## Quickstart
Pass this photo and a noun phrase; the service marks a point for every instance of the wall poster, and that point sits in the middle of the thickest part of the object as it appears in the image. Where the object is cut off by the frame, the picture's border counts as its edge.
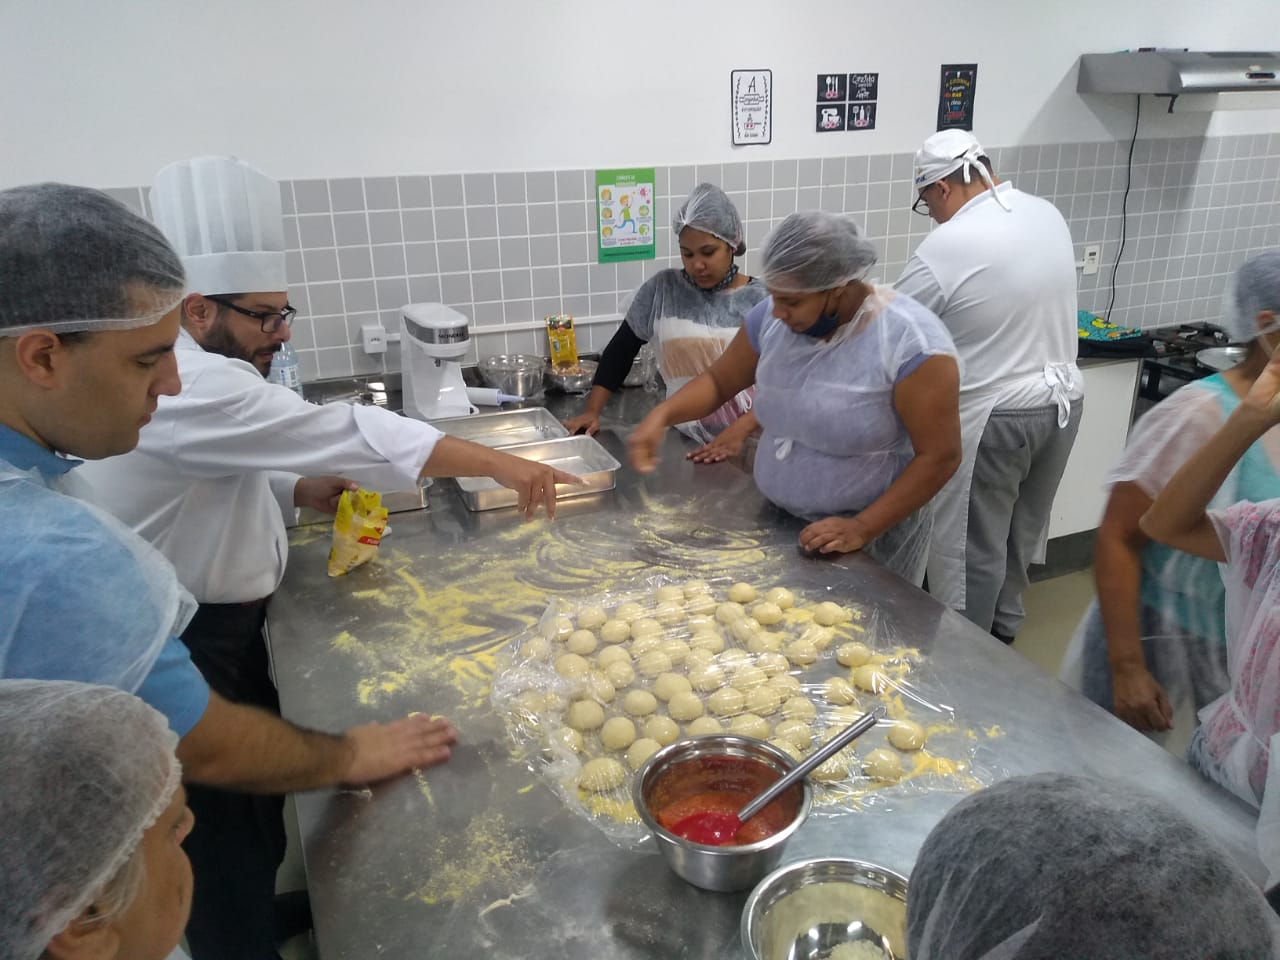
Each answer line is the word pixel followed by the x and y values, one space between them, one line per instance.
pixel 751 95
pixel 625 214
pixel 955 96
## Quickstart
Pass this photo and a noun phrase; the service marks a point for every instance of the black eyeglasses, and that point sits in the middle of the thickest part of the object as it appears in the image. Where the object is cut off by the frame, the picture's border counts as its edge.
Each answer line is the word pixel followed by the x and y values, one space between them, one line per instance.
pixel 921 206
pixel 271 322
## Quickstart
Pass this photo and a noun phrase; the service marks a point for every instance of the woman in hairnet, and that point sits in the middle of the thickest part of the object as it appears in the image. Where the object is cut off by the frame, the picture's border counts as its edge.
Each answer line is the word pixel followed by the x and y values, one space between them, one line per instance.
pixel 857 391
pixel 1153 648
pixel 94 814
pixel 1117 877
pixel 689 315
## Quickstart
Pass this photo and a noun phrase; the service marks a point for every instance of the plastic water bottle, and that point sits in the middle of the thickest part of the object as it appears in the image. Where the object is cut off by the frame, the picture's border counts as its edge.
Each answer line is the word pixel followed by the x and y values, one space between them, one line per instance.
pixel 284 369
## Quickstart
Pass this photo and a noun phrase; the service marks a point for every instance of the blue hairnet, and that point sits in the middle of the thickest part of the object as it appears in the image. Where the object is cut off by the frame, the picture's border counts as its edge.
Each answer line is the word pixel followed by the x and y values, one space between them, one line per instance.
pixel 1052 866
pixel 1254 288
pixel 73 259
pixel 810 252
pixel 710 210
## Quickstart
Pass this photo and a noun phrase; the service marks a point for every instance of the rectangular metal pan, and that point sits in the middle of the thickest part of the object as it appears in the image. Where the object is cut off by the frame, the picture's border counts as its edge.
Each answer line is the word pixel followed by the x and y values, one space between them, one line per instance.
pixel 581 456
pixel 505 427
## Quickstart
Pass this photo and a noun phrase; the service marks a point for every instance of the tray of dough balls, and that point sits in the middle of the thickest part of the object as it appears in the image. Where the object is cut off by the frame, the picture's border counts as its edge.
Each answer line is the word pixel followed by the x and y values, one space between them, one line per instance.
pixel 601 684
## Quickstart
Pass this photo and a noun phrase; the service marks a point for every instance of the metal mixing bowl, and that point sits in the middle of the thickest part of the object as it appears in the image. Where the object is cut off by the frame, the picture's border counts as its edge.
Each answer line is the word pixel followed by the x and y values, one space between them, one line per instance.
pixel 680 771
pixel 643 367
pixel 519 374
pixel 575 378
pixel 805 910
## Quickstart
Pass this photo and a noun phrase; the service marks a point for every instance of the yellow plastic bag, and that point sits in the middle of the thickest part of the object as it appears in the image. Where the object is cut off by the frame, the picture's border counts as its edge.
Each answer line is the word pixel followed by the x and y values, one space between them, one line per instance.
pixel 563 339
pixel 358 527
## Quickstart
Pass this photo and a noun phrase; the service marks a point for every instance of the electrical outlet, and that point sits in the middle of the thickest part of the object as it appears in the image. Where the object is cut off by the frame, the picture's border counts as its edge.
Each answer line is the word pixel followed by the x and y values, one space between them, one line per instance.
pixel 373 337
pixel 1092 254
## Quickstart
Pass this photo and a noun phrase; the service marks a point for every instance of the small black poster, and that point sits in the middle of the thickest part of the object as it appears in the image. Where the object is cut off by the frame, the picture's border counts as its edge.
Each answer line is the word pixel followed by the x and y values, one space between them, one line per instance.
pixel 831 88
pixel 862 116
pixel 846 101
pixel 830 117
pixel 955 96
pixel 863 86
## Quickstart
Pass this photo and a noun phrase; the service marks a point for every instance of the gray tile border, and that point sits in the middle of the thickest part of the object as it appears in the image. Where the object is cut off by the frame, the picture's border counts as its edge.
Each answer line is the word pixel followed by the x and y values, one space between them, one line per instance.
pixel 347 194
pixel 483 253
pixel 414 192
pixel 513 252
pixel 352 228
pixel 384 226
pixel 388 260
pixel 320 265
pixel 478 189
pixel 418 224
pixel 540 186
pixel 311 196
pixel 355 263
pixel 446 190
pixel 315 231
pixel 510 187
pixel 382 193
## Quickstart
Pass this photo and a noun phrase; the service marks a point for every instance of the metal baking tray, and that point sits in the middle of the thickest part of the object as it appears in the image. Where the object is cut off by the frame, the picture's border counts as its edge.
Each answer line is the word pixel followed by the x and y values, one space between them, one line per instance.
pixel 504 428
pixel 400 501
pixel 580 455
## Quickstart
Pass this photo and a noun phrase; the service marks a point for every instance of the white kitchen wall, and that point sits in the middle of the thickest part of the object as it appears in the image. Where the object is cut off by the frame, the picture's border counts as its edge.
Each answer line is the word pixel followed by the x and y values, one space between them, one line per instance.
pixel 107 93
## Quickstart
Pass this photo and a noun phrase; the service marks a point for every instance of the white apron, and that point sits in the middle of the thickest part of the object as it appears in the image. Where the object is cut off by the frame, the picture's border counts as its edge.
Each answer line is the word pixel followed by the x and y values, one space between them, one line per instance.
pixel 685 349
pixel 951 503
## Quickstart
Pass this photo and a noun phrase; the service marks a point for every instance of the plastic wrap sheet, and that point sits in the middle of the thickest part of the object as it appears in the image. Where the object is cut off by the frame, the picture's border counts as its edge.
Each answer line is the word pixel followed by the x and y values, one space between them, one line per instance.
pixel 603 682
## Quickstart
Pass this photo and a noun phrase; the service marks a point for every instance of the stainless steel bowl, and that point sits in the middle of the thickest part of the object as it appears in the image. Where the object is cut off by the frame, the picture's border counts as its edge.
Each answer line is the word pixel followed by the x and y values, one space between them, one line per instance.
pixel 520 374
pixel 575 378
pixel 806 909
pixel 682 770
pixel 643 367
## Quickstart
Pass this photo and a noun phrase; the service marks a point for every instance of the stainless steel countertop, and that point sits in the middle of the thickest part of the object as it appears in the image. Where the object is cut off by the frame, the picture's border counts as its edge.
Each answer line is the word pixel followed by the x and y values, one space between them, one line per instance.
pixel 478 857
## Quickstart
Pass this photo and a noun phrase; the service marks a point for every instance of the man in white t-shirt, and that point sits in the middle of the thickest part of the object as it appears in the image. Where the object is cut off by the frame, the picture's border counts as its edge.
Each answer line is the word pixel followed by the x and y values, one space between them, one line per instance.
pixel 999 271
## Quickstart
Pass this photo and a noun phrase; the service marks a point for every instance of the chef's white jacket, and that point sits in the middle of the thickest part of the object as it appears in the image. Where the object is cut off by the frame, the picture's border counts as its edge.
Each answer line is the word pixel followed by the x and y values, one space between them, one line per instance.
pixel 211 481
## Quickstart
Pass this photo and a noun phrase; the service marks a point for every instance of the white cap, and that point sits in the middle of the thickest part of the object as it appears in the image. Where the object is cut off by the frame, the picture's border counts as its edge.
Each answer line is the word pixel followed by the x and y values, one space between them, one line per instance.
pixel 224 219
pixel 948 151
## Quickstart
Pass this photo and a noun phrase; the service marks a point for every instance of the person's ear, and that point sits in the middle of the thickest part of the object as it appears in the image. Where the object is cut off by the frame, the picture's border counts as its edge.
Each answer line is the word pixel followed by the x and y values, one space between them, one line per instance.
pixel 1266 321
pixel 40 357
pixel 84 941
pixel 198 312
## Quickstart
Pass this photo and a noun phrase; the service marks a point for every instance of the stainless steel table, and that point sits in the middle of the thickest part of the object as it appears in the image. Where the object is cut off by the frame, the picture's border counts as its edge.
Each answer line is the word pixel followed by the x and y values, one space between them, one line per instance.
pixel 478 857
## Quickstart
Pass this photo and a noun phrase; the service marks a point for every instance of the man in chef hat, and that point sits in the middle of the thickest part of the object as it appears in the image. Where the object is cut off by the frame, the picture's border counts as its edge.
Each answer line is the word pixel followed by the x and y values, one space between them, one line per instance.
pixel 999 270
pixel 216 479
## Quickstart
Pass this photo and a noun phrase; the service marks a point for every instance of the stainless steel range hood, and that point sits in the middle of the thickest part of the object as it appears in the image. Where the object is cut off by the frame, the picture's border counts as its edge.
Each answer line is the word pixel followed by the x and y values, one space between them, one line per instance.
pixel 1177 72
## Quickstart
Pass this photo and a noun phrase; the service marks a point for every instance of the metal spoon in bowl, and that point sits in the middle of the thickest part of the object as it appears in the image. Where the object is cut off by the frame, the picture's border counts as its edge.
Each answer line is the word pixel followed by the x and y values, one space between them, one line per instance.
pixel 719 829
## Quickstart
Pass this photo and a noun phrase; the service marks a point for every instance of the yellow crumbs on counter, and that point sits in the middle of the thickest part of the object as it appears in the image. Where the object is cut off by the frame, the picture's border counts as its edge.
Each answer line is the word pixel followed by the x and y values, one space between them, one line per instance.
pixel 486 854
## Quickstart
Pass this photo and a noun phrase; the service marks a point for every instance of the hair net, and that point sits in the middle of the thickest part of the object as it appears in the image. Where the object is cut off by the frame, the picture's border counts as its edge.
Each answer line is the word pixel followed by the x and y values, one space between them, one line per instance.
pixel 710 210
pixel 1254 288
pixel 948 151
pixel 808 252
pixel 1116 876
pixel 87 770
pixel 73 259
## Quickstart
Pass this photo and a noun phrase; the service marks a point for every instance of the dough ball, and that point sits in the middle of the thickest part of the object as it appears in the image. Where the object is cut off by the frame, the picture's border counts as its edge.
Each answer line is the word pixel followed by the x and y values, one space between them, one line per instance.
pixel 642 645
pixel 839 690
pixel 645 627
pixel 742 593
pixel 787 747
pixel 581 642
pixel 613 655
pixel 701 605
pixel 531 701
pixel 711 642
pixel 668 613
pixel 615 631
pixel 640 751
pixel 799 708
pixel 743 630
pixel 820 637
pixel 684 706
pixel 772 663
pixel 729 612
pixel 566 738
pixel 795 731
pixel 628 611
pixel 620 673
pixel 667 685
pixel 835 768
pixel 785 684
pixel 663 729
pixel 783 598
pixel 617 733
pixel 750 725
pixel 708 678
pixel 766 613
pixel 871 678
pixel 572 665
pixel 801 652
pixel 764 641
pixel 669 594
pixel 699 659
pixel 733 658
pixel 853 654
pixel 554 703
pixel 676 649
pixel 906 735
pixel 589 618
pixel 727 701
pixel 639 703
pixel 585 715
pixel 705 725
pixel 764 700
pixel 828 614
pixel 702 624
pixel 600 686
pixel 536 649
pixel 882 764
pixel 602 775
pixel 696 588
pixel 653 662
pixel 558 629
pixel 748 676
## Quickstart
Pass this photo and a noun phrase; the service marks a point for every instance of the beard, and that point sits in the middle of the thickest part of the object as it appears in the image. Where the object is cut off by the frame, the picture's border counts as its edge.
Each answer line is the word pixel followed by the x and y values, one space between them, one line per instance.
pixel 219 339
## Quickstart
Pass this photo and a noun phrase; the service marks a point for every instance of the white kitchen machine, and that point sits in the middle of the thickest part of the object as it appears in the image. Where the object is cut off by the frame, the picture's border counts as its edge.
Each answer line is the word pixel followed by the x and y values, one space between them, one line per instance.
pixel 433 340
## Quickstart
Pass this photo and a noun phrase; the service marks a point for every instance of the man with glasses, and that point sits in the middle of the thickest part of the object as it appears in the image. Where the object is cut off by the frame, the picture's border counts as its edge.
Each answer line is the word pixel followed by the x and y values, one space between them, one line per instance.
pixel 215 481
pixel 999 271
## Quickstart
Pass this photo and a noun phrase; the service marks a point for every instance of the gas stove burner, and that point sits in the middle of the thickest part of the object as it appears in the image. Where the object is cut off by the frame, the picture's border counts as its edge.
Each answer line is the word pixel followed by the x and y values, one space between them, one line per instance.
pixel 1188 339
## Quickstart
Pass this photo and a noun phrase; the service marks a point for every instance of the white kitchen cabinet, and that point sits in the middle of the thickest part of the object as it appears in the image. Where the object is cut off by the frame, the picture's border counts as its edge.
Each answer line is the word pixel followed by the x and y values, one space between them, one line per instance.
pixel 1109 388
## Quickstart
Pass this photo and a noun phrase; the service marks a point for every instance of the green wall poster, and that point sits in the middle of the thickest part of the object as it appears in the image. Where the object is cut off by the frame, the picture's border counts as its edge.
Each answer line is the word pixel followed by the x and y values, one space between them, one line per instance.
pixel 625 214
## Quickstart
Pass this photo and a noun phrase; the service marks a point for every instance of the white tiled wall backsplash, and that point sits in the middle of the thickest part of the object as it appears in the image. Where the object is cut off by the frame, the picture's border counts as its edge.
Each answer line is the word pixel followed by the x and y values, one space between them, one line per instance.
pixel 506 249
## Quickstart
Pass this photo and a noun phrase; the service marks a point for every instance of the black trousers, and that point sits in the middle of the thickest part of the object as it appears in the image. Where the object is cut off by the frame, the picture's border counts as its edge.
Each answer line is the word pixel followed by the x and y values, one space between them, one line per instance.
pixel 238 841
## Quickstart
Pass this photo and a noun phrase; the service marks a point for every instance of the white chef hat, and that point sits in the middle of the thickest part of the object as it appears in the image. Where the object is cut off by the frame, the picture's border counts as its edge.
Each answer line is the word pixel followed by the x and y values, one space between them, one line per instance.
pixel 224 219
pixel 948 151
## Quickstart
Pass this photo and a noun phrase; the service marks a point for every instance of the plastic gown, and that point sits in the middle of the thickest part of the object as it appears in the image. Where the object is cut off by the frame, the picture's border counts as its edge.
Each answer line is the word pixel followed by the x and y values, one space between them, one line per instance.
pixel 833 442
